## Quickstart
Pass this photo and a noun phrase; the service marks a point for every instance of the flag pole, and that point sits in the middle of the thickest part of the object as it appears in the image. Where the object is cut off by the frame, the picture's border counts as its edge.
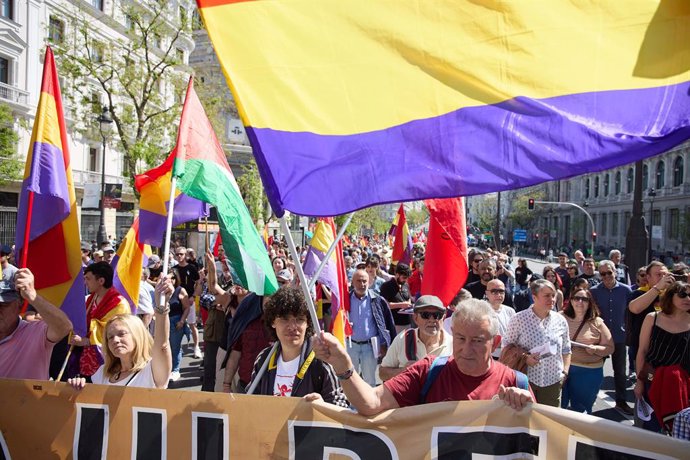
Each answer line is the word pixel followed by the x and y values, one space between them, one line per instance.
pixel 262 370
pixel 168 230
pixel 27 234
pixel 300 273
pixel 208 238
pixel 330 251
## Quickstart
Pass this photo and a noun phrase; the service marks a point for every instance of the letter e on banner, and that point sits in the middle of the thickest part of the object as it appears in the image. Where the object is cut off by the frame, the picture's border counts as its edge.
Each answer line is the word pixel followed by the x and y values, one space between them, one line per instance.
pixel 456 442
pixel 309 440
pixel 583 449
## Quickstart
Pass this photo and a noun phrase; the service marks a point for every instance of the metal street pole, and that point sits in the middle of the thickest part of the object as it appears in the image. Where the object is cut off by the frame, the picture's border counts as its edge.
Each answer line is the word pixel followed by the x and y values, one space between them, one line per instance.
pixel 651 194
pixel 497 231
pixel 636 236
pixel 104 120
pixel 567 203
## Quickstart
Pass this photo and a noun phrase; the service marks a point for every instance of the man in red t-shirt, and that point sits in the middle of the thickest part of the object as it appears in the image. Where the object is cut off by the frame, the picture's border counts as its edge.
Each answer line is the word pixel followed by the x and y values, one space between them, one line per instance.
pixel 470 373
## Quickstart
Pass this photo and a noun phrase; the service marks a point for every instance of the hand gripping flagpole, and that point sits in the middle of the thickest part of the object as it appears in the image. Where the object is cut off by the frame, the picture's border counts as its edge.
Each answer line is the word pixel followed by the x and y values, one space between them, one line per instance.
pixel 168 230
pixel 330 251
pixel 300 273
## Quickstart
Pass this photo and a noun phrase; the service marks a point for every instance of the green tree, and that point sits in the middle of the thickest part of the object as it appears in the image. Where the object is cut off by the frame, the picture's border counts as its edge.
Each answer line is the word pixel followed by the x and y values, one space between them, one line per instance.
pixel 416 217
pixel 139 77
pixel 252 191
pixel 521 216
pixel 10 164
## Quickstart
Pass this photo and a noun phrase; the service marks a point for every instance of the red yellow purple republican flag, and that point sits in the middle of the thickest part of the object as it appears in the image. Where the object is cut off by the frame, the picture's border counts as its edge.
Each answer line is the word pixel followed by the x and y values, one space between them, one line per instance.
pixel 402 243
pixel 444 98
pixel 48 207
pixel 154 189
pixel 128 264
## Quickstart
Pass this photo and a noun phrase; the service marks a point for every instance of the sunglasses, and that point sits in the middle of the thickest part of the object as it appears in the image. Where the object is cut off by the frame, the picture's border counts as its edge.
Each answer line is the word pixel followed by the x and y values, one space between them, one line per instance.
pixel 476 261
pixel 437 315
pixel 580 298
pixel 497 291
pixel 683 294
pixel 606 273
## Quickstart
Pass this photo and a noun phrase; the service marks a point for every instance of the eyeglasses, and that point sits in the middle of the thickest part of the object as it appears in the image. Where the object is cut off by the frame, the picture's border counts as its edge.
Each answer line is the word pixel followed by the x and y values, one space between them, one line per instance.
pixel 288 321
pixel 476 261
pixel 606 273
pixel 437 315
pixel 497 291
pixel 580 299
pixel 683 294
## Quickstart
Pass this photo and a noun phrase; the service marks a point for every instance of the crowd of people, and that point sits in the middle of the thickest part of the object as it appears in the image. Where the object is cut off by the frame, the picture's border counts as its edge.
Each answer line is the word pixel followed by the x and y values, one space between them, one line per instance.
pixel 508 333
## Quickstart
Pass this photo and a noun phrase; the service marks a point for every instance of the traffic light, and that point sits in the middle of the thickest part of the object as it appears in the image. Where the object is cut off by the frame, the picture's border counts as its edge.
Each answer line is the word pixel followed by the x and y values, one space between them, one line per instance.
pixel 530 204
pixel 594 236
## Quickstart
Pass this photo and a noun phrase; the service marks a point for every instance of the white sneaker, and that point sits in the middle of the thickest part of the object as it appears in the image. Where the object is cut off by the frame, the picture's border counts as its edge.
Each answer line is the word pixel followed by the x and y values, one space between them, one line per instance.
pixel 197 352
pixel 175 376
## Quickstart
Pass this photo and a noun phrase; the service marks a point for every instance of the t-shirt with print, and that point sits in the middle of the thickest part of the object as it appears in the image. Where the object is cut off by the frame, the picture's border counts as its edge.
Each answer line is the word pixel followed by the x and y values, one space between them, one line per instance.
pixel 450 383
pixel 285 376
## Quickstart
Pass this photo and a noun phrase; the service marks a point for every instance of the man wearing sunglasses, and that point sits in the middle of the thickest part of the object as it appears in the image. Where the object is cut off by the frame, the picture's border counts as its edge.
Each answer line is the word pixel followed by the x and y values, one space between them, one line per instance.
pixel 496 294
pixel 414 344
pixel 612 298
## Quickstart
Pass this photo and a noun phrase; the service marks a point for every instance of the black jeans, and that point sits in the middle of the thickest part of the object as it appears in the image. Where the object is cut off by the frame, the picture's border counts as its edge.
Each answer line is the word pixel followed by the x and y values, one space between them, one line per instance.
pixel 210 352
pixel 619 359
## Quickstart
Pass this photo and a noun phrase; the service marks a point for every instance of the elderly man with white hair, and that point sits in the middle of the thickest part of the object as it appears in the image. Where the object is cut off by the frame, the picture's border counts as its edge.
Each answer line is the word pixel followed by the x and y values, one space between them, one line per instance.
pixel 612 298
pixel 468 374
pixel 622 270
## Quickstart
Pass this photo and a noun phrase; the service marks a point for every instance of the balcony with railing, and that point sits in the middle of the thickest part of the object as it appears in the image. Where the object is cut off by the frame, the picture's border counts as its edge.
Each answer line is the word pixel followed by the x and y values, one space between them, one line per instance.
pixel 82 177
pixel 12 94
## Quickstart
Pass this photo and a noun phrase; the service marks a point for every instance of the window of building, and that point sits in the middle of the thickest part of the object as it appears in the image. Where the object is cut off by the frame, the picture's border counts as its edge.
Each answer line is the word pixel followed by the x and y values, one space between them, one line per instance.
pixel 596 187
pixel 678 171
pixel 96 102
pixel 656 217
pixel 89 226
pixel 614 224
pixel 587 188
pixel 606 185
pixel 7 9
pixel 123 221
pixel 97 52
pixel 660 174
pixel 4 70
pixel 645 176
pixel 93 159
pixel 98 4
pixel 617 185
pixel 604 223
pixel 631 180
pixel 673 223
pixel 56 30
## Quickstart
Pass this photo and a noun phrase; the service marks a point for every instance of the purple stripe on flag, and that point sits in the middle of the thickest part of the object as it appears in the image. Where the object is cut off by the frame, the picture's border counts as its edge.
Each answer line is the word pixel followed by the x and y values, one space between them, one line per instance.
pixel 74 304
pixel 329 274
pixel 120 287
pixel 152 225
pixel 471 151
pixel 48 180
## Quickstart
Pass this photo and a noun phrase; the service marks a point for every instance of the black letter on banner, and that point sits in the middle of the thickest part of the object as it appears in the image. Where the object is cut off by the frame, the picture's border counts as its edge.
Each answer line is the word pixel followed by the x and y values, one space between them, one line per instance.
pixel 91 436
pixel 311 440
pixel 147 433
pixel 587 451
pixel 462 445
pixel 210 437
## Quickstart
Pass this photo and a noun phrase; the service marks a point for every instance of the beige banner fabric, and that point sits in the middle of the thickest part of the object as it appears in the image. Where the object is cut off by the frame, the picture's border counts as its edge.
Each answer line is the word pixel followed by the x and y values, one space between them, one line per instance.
pixel 48 420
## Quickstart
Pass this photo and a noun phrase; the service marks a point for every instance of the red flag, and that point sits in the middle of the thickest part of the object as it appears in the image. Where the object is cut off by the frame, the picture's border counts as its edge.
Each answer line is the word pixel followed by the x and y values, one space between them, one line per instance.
pixel 217 244
pixel 445 268
pixel 402 247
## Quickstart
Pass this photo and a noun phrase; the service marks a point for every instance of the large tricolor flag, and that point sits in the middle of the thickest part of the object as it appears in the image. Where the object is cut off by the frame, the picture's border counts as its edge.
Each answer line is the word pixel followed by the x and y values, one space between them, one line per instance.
pixel 128 264
pixel 48 206
pixel 402 240
pixel 333 275
pixel 154 188
pixel 445 259
pixel 203 173
pixel 444 98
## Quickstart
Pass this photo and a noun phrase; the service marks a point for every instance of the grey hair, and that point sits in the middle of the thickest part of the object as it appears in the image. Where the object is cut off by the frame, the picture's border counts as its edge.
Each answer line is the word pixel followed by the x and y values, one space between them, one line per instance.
pixel 609 264
pixel 475 311
pixel 612 253
pixel 538 285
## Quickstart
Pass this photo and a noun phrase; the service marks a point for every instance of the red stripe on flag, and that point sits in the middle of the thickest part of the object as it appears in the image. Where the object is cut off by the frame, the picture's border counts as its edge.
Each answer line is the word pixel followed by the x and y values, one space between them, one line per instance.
pixel 211 3
pixel 47 259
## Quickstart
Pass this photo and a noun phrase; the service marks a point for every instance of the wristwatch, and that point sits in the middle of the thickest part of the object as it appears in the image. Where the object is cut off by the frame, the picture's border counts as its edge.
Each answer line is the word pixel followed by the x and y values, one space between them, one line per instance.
pixel 347 374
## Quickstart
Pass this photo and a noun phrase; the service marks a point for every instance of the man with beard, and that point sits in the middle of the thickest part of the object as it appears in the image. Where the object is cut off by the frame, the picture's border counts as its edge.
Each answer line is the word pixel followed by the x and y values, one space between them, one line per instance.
pixel 397 293
pixel 487 272
pixel 414 344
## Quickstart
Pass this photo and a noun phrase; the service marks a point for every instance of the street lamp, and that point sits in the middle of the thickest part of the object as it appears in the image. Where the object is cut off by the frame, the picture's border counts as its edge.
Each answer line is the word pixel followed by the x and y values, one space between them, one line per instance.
pixel 651 194
pixel 105 121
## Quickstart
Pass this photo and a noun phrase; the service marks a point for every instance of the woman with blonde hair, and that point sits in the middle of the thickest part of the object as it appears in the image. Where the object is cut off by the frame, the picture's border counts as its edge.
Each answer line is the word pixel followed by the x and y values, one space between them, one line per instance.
pixel 132 357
